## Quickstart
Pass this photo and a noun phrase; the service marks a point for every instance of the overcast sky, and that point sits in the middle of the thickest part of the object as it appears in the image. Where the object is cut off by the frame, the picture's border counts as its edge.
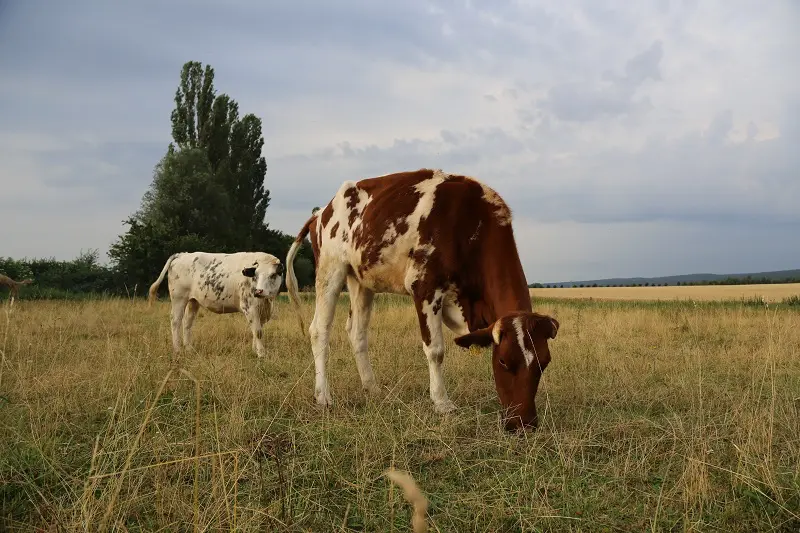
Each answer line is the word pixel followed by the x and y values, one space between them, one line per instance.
pixel 629 138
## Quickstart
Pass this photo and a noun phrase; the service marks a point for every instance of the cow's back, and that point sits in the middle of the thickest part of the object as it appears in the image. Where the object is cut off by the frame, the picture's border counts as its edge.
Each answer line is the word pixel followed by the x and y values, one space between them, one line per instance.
pixel 391 227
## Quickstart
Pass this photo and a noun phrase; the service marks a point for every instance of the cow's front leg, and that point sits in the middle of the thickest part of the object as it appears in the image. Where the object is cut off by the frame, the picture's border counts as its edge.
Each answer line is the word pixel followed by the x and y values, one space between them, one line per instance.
pixel 429 312
pixel 256 327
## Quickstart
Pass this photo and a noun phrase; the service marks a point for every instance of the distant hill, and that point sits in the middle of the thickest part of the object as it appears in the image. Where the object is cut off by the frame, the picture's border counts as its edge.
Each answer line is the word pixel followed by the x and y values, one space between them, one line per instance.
pixel 783 276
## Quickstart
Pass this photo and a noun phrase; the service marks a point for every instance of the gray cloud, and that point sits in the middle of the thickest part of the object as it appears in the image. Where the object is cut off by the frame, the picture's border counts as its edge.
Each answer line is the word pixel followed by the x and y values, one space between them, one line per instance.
pixel 665 130
pixel 612 95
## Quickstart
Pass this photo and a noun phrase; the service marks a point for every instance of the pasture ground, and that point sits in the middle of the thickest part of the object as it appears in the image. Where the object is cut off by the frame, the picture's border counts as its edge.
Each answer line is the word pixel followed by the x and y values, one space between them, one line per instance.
pixel 771 293
pixel 654 417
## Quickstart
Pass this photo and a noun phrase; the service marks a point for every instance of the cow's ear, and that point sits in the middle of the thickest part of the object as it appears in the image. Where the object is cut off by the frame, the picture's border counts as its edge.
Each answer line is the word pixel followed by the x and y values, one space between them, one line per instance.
pixel 545 325
pixel 482 337
pixel 249 272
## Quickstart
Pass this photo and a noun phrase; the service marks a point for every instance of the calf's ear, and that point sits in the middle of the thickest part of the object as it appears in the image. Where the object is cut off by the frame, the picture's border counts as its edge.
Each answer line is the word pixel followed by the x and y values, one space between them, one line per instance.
pixel 249 272
pixel 481 337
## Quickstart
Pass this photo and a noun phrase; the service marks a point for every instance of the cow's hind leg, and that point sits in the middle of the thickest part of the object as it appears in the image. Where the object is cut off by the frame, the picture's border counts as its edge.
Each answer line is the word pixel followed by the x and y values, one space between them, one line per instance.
pixel 192 307
pixel 429 312
pixel 329 283
pixel 357 327
pixel 176 317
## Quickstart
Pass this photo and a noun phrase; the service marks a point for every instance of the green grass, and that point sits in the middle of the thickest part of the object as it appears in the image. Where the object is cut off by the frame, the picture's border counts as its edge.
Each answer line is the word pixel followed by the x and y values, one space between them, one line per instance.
pixel 660 416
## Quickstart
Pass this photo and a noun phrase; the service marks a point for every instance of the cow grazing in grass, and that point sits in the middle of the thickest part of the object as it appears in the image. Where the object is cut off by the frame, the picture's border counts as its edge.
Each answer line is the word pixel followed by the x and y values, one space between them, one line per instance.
pixel 222 283
pixel 447 241
pixel 13 286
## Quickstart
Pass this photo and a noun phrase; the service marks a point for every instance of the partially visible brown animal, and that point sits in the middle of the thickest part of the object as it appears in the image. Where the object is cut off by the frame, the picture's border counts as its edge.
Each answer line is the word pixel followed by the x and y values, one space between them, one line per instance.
pixel 12 285
pixel 447 241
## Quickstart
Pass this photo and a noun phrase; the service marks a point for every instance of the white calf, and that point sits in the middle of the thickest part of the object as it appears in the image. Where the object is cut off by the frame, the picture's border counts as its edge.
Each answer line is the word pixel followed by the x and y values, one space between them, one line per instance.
pixel 222 283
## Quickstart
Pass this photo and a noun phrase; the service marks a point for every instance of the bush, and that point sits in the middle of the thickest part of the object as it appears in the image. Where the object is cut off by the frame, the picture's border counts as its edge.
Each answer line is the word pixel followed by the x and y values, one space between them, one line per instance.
pixel 54 279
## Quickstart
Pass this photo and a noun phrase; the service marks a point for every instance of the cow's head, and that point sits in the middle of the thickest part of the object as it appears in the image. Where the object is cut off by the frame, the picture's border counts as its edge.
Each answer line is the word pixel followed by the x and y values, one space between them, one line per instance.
pixel 266 278
pixel 519 356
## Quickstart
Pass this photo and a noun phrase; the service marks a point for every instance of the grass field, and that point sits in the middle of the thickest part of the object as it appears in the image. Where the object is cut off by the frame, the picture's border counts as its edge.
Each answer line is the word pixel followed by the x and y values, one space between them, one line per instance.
pixel 769 293
pixel 662 416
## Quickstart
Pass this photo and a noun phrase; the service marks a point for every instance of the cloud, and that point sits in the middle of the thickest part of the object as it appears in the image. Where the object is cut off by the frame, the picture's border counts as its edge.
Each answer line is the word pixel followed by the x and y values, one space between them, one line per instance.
pixel 612 95
pixel 666 130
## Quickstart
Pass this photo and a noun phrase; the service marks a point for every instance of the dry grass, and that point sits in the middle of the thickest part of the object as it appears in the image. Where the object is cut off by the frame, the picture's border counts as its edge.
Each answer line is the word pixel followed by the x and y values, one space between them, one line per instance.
pixel 769 293
pixel 657 417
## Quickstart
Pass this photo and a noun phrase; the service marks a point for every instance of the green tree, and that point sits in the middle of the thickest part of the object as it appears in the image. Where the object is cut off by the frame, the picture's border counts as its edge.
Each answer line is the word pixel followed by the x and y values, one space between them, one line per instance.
pixel 207 191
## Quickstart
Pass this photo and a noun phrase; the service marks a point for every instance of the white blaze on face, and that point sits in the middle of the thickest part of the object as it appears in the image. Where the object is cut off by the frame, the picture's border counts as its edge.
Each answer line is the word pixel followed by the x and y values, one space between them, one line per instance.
pixel 521 341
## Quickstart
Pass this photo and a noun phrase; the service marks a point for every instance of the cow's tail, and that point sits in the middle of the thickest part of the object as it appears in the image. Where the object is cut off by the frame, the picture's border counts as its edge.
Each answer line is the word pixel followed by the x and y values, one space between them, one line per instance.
pixel 414 496
pixel 291 279
pixel 154 287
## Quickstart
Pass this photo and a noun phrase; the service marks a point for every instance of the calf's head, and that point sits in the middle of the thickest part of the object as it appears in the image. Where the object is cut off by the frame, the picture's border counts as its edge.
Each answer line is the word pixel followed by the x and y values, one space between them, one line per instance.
pixel 266 278
pixel 520 354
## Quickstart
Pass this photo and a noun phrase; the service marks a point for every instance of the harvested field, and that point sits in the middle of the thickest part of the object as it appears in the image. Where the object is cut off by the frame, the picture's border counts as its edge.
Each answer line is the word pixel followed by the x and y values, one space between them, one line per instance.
pixel 770 293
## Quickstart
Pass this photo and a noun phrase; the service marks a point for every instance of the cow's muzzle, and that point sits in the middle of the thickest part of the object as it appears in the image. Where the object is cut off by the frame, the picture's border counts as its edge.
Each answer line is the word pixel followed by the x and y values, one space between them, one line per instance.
pixel 258 293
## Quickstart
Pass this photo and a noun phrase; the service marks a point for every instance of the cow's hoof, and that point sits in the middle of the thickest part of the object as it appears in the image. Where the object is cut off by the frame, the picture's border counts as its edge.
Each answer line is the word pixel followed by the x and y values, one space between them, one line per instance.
pixel 324 399
pixel 445 407
pixel 372 389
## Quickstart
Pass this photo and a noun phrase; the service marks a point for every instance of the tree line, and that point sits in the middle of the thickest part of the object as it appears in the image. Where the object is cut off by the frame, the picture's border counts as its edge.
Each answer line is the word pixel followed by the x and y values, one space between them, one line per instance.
pixel 207 194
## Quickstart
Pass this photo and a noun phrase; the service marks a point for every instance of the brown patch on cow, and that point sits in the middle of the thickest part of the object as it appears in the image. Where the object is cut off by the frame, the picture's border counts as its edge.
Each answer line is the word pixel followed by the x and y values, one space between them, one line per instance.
pixel 424 331
pixel 401 226
pixel 437 305
pixel 327 213
pixel 351 195
pixel 333 230
pixel 312 236
pixel 389 207
pixel 419 255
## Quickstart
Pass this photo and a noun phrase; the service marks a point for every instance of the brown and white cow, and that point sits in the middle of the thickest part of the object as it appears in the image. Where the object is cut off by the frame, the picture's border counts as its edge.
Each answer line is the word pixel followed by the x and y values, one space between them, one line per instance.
pixel 222 283
pixel 447 241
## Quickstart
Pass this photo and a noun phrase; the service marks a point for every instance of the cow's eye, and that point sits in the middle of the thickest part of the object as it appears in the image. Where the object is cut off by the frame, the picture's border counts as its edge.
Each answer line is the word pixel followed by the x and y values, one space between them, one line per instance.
pixel 503 363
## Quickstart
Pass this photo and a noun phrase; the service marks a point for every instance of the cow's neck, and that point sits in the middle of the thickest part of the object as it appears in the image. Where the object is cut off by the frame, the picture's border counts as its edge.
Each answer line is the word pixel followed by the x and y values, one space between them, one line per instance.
pixel 502 287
